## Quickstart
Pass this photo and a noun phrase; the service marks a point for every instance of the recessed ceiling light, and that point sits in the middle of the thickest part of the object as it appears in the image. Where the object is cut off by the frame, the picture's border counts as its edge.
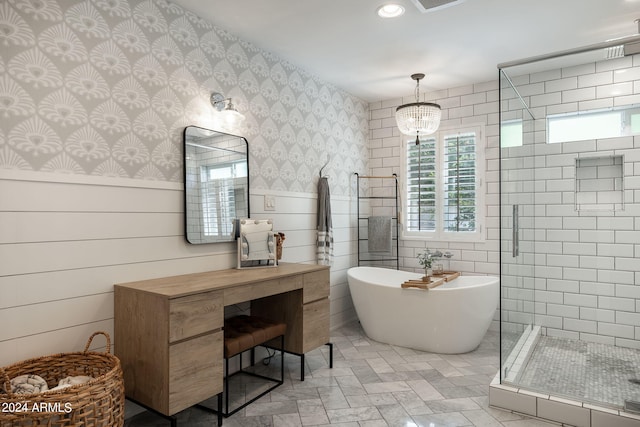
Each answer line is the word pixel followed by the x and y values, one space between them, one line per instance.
pixel 390 10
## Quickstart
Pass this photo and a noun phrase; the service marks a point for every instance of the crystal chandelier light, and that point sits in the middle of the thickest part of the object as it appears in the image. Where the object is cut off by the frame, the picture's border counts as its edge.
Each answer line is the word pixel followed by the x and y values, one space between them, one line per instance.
pixel 418 117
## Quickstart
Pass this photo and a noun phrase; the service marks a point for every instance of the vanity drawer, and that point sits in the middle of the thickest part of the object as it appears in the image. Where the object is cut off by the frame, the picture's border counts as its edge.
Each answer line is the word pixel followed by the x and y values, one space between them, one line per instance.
pixel 315 324
pixel 261 289
pixel 316 286
pixel 195 314
pixel 195 371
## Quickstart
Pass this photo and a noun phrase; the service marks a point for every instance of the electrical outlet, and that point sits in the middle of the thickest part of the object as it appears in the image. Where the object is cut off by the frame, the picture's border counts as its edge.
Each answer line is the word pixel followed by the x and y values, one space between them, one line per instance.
pixel 269 203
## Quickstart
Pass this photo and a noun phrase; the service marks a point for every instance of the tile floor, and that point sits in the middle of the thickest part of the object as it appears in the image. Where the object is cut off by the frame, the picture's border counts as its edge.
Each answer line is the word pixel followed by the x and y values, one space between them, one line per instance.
pixel 372 385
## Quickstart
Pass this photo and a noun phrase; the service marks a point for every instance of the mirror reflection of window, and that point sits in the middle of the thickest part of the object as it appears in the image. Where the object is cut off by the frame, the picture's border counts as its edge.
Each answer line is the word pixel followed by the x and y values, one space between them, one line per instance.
pixel 219 205
pixel 511 134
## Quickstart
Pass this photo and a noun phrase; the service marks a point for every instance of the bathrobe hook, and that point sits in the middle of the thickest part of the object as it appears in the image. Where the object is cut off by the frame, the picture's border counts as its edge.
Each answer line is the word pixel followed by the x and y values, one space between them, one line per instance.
pixel 324 166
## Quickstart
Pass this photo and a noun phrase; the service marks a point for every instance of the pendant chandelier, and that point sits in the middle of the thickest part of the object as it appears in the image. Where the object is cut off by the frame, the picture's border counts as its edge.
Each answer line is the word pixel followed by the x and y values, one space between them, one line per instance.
pixel 418 117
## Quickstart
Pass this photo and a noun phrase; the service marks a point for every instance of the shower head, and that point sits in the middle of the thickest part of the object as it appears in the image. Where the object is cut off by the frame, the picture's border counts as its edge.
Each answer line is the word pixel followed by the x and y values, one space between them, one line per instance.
pixel 624 49
pixel 613 48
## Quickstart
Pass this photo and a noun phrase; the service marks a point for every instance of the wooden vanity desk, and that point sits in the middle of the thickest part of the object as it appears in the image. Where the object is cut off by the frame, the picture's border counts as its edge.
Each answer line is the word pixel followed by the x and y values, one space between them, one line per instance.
pixel 168 331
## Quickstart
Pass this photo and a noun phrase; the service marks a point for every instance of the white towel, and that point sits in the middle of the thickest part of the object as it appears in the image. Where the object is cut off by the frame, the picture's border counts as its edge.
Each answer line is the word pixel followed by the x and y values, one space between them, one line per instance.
pixel 28 384
pixel 71 381
pixel 379 233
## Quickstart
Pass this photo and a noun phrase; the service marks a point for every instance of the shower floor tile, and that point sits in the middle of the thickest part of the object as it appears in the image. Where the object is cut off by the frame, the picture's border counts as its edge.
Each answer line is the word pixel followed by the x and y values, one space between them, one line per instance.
pixel 583 370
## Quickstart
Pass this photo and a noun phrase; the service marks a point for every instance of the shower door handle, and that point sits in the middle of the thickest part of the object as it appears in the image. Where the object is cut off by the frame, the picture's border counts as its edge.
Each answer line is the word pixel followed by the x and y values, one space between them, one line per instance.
pixel 515 232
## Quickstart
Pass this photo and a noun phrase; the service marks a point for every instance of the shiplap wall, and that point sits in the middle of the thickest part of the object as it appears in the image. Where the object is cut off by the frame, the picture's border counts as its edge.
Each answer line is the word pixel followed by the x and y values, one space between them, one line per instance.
pixel 66 239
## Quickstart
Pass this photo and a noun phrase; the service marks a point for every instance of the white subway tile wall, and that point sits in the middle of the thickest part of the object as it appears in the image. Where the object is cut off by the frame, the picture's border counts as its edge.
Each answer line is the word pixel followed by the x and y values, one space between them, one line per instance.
pixel 467 105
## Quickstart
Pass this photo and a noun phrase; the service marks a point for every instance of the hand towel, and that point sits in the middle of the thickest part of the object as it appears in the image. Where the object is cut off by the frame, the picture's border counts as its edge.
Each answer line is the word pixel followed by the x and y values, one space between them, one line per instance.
pixel 379 233
pixel 324 244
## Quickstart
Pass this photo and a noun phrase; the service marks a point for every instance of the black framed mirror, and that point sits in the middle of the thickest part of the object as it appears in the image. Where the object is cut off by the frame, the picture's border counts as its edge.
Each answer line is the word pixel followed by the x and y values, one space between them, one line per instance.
pixel 216 184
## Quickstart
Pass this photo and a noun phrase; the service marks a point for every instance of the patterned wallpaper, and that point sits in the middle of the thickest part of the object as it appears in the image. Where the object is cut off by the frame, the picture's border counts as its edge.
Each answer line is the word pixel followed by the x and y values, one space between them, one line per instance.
pixel 105 87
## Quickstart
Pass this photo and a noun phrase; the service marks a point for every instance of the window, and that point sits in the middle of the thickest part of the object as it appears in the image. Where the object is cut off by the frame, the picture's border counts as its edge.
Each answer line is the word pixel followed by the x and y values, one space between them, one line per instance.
pixel 586 125
pixel 444 186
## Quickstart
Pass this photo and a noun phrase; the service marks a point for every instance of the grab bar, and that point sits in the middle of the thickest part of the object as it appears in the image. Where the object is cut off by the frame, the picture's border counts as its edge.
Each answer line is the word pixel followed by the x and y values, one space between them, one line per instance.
pixel 515 232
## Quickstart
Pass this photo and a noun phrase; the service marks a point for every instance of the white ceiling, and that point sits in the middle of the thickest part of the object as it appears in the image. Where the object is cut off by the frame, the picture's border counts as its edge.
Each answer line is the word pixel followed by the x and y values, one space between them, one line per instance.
pixel 345 43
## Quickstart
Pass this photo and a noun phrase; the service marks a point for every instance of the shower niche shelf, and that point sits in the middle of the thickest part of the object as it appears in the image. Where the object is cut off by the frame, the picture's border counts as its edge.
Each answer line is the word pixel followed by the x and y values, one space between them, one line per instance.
pixel 600 183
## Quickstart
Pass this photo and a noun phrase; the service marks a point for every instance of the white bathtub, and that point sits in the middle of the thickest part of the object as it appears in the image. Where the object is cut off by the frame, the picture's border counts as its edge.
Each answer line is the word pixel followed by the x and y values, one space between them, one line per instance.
pixel 451 318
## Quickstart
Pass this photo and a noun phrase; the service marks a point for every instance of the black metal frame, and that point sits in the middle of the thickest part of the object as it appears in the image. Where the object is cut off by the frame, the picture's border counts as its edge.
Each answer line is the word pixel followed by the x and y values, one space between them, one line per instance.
pixel 395 218
pixel 278 382
pixel 173 419
pixel 302 360
pixel 226 413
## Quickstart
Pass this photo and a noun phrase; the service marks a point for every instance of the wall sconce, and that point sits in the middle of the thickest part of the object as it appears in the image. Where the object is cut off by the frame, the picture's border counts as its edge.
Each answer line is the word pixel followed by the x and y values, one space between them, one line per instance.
pixel 227 111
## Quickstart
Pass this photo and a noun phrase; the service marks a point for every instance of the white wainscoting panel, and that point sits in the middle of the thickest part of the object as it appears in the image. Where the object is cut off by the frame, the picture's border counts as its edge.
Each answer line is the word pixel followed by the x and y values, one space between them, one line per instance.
pixel 66 240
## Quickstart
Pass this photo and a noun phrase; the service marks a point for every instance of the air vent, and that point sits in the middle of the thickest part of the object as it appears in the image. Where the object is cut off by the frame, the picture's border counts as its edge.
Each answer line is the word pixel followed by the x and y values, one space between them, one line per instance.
pixel 425 6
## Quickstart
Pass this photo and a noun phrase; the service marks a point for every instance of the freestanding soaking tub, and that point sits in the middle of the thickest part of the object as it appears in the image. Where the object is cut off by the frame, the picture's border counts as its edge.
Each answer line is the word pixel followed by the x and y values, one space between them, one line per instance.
pixel 451 318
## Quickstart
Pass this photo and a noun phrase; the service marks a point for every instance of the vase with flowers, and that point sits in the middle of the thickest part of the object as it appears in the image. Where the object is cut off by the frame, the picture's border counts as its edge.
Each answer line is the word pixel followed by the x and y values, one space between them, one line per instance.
pixel 425 259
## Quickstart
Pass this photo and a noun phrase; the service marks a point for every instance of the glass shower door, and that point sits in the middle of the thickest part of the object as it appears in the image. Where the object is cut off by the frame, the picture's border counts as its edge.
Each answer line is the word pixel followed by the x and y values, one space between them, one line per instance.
pixel 569 200
pixel 517 211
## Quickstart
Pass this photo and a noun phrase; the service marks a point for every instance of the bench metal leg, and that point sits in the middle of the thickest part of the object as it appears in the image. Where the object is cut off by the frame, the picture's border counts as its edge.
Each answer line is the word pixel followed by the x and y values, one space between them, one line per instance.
pixel 278 382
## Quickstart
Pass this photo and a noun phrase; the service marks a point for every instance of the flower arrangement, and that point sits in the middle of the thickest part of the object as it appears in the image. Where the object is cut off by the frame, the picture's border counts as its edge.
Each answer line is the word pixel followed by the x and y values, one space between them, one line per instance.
pixel 426 258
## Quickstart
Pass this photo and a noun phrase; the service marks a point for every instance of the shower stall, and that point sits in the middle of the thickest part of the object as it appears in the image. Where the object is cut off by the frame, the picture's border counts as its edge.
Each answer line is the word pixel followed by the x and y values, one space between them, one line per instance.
pixel 570 227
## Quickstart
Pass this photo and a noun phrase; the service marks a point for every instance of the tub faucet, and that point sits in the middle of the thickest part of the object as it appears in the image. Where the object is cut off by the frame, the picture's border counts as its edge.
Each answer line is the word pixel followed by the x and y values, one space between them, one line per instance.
pixel 447 255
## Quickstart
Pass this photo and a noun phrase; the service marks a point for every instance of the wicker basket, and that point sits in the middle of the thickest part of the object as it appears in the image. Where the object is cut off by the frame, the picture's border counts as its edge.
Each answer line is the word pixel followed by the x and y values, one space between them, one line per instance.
pixel 97 403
